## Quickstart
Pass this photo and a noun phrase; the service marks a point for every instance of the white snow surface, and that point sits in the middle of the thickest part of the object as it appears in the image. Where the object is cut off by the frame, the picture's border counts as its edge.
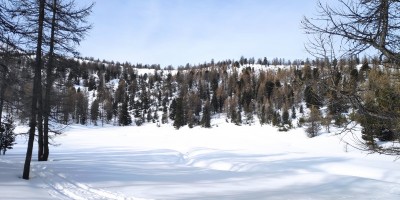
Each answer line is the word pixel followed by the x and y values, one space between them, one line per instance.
pixel 224 162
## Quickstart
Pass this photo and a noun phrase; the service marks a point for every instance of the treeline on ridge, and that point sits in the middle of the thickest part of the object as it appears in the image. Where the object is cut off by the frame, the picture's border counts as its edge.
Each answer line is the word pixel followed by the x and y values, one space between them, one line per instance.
pixel 244 92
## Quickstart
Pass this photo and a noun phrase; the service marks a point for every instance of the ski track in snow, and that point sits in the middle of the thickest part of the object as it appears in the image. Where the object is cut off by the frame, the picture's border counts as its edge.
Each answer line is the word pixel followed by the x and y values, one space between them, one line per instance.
pixel 61 187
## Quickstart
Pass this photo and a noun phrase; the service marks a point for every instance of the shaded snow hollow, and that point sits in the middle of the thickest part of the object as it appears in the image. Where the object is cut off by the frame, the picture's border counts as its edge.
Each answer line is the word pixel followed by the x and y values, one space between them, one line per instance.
pixel 225 162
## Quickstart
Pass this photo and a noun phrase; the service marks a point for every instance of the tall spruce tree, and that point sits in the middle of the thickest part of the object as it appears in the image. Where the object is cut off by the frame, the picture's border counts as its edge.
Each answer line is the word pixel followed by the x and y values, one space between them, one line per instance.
pixel 7 135
pixel 206 119
pixel 94 112
pixel 314 122
pixel 179 114
pixel 124 118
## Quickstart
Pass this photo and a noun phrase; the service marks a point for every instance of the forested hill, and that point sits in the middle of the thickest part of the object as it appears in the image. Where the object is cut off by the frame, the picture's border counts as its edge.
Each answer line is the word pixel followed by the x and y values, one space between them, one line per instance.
pixel 285 94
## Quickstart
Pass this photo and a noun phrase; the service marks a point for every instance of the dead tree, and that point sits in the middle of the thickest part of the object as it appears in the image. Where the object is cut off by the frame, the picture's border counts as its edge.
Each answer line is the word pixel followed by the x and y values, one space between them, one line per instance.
pixel 362 25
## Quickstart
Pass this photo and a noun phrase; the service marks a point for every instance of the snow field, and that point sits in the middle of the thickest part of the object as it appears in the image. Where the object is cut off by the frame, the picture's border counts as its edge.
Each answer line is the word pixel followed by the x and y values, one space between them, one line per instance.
pixel 225 162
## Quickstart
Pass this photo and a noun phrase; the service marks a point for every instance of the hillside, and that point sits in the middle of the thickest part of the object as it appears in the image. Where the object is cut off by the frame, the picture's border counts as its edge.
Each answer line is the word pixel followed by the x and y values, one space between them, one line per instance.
pixel 310 94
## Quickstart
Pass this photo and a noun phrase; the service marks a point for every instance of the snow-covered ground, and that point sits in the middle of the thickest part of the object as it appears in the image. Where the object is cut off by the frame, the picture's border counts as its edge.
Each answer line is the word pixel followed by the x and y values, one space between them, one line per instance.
pixel 225 162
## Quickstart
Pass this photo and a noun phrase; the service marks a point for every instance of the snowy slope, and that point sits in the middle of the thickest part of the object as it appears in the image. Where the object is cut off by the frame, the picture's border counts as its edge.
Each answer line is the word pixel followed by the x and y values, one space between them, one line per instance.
pixel 225 162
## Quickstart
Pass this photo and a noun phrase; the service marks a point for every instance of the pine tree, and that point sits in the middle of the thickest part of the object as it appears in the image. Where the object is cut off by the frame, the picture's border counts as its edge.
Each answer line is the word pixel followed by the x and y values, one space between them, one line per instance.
pixel 155 116
pixel 326 121
pixel 285 117
pixel 92 84
pixel 108 108
pixel 206 119
pixel 276 118
pixel 214 103
pixel 68 105
pixel 238 118
pixel 262 115
pixel 293 113
pixel 314 124
pixel 120 92
pixel 81 100
pixel 7 135
pixel 94 111
pixel 311 97
pixel 124 118
pixel 190 118
pixel 164 117
pixel 269 87
pixel 179 114
pixel 172 110
pixel 149 116
pixel 382 98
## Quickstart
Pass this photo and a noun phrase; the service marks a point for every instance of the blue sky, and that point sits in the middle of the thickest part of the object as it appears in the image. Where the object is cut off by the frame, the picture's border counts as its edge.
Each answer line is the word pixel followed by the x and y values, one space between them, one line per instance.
pixel 176 32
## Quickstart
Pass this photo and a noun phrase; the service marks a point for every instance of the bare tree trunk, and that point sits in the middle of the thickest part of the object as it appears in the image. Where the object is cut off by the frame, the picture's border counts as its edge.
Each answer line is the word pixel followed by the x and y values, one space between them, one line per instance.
pixel 36 88
pixel 49 83
pixel 1 105
pixel 3 86
pixel 40 121
pixel 2 92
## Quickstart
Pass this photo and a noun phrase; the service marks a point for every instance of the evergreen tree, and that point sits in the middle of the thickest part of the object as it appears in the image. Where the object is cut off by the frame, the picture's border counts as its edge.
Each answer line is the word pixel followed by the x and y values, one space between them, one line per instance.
pixel 311 97
pixel 285 117
pixel 144 97
pixel 382 98
pixel 269 87
pixel 206 119
pixel 68 106
pixel 276 118
pixel 214 103
pixel 120 92
pixel 81 107
pixel 326 121
pixel 314 122
pixel 179 114
pixel 7 135
pixel 108 108
pixel 164 117
pixel 301 109
pixel 94 111
pixel 262 115
pixel 238 119
pixel 124 118
pixel 149 116
pixel 190 118
pixel 91 84
pixel 293 113
pixel 269 112
pixel 172 109
pixel 155 116
pixel 249 113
